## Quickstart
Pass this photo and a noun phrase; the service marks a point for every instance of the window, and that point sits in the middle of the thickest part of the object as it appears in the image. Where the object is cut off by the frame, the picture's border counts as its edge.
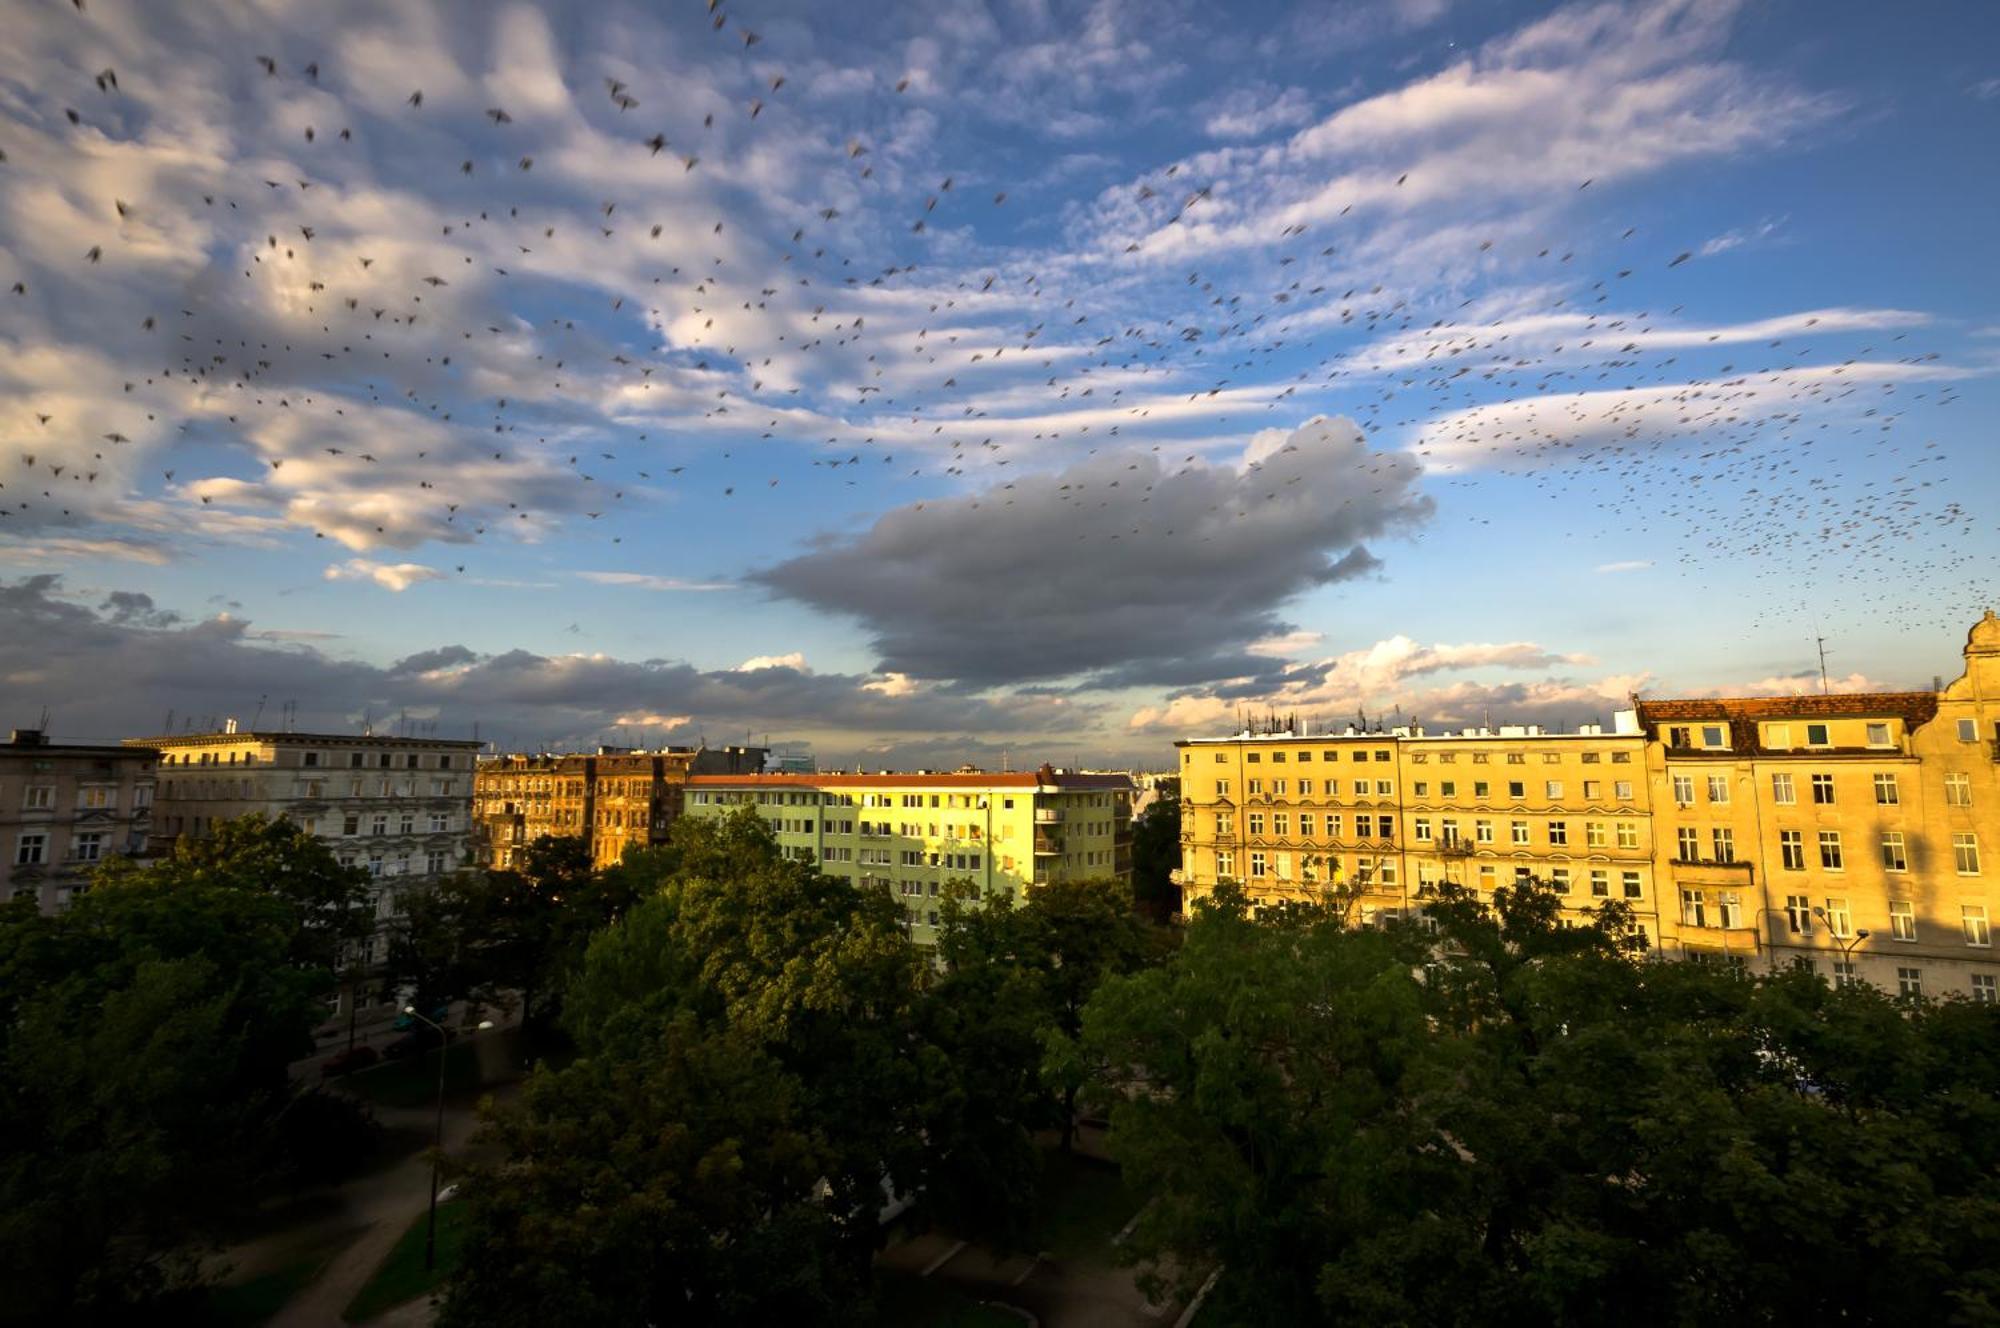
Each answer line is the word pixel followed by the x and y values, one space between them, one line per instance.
pixel 1711 735
pixel 1718 788
pixel 1972 917
pixel 435 862
pixel 1593 834
pixel 1902 920
pixel 1816 735
pixel 1305 825
pixel 1965 853
pixel 1985 989
pixel 1878 735
pixel 1688 844
pixel 1422 829
pixel 350 824
pixel 1258 866
pixel 440 822
pixel 39 797
pixel 1723 841
pixel 1385 827
pixel 1958 790
pixel 1680 735
pixel 1559 833
pixel 1256 823
pixel 1221 788
pixel 1448 789
pixel 1256 787
pixel 1895 857
pixel 1782 791
pixel 1629 880
pixel 1383 788
pixel 96 798
pixel 309 759
pixel 1593 789
pixel 1829 850
pixel 1519 831
pixel 1482 831
pixel 31 850
pixel 1968 730
pixel 1360 788
pixel 88 846
pixel 1552 788
pixel 1729 909
pixel 1225 824
pixel 1559 878
pixel 1684 790
pixel 1621 758
pixel 1600 883
pixel 1423 788
pixel 1694 910
pixel 1481 789
pixel 1798 914
pixel 1886 792
pixel 1910 982
pixel 1778 736
pixel 1822 790
pixel 1843 973
pixel 1517 789
pixel 1628 834
pixel 1225 865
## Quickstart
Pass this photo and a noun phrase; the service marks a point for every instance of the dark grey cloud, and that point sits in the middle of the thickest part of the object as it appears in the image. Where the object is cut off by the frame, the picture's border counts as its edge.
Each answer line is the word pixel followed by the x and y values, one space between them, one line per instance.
pixel 118 669
pixel 1121 570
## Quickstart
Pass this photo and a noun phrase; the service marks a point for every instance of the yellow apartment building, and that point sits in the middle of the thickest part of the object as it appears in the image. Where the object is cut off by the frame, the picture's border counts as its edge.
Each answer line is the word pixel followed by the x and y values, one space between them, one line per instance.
pixel 613 799
pixel 909 834
pixel 1853 834
pixel 1380 816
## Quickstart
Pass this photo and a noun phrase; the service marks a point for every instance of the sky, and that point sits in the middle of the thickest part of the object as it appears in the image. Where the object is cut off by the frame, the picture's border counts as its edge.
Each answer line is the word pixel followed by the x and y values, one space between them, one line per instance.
pixel 995 382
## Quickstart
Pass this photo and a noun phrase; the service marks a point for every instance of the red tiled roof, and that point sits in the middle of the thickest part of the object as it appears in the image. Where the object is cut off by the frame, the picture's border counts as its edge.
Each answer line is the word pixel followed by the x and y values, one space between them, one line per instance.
pixel 1914 707
pixel 1025 779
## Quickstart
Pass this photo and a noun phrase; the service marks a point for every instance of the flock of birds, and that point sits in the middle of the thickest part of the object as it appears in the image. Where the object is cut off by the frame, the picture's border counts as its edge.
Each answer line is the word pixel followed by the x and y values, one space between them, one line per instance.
pixel 991 385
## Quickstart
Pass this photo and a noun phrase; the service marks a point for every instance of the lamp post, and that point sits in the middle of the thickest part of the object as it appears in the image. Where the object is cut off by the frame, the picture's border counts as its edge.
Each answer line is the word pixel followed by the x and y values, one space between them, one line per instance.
pixel 437 1139
pixel 1848 946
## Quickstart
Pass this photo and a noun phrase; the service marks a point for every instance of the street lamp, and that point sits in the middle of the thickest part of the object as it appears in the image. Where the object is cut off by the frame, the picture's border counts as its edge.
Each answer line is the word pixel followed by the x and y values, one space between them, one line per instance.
pixel 437 1140
pixel 1847 946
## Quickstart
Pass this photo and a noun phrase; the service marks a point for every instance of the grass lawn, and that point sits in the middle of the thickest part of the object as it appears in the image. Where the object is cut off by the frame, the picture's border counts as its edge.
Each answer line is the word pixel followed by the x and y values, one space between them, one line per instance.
pixel 255 1299
pixel 402 1277
pixel 907 1301
pixel 1083 1203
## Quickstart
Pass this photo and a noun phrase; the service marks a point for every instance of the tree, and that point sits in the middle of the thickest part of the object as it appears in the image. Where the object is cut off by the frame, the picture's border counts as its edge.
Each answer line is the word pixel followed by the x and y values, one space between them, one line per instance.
pixel 1156 853
pixel 145 1035
pixel 750 1082
pixel 1520 1121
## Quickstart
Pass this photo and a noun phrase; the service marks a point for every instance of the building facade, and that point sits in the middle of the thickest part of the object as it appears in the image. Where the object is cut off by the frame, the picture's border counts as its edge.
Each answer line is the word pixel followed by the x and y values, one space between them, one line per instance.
pixel 909 834
pixel 1374 818
pixel 1851 834
pixel 399 807
pixel 614 799
pixel 65 808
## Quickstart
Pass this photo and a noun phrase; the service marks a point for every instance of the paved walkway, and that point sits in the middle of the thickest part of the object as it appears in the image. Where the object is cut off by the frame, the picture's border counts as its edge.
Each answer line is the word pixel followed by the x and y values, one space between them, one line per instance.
pixel 371 1212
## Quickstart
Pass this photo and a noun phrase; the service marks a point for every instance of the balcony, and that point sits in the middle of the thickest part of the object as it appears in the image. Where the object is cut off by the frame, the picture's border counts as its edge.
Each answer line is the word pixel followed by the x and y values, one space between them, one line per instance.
pixel 1047 846
pixel 1048 815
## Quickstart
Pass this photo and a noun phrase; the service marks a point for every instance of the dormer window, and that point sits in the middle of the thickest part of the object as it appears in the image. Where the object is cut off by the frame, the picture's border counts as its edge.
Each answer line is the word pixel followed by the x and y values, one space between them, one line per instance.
pixel 1712 736
pixel 1816 736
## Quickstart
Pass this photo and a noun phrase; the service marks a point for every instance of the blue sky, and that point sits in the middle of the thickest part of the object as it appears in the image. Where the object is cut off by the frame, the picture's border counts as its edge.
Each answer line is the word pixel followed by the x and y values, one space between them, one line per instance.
pixel 980 378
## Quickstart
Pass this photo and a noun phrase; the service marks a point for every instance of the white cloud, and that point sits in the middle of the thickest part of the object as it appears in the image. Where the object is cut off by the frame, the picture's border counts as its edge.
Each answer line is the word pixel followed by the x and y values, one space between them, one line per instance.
pixel 1629 565
pixel 795 660
pixel 1255 111
pixel 645 581
pixel 390 576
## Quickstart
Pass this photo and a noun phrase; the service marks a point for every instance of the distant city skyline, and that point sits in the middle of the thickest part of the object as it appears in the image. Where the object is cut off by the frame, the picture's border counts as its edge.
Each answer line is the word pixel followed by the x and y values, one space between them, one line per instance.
pixel 927 384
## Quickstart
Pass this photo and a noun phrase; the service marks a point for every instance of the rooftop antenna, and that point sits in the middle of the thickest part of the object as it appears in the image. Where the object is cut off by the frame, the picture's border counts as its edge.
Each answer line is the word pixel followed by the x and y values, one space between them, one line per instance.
pixel 1821 641
pixel 258 713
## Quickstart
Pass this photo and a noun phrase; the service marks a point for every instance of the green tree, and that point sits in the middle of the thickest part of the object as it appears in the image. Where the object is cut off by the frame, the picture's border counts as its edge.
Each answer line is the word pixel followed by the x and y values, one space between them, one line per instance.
pixel 1520 1121
pixel 1156 853
pixel 787 998
pixel 145 1034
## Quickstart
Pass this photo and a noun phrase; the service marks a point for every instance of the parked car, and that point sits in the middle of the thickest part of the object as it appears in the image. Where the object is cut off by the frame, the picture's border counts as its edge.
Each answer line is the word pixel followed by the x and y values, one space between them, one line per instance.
pixel 346 1062
pixel 415 1043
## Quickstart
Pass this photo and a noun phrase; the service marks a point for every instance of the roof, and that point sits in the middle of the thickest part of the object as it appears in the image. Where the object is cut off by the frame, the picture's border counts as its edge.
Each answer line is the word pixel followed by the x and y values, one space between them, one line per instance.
pixel 296 739
pixel 1915 707
pixel 1020 779
pixel 79 751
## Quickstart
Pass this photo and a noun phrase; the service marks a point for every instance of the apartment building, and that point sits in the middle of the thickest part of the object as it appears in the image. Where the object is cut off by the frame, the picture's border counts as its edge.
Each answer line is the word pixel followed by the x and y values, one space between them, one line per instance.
pixel 1853 834
pixel 614 798
pixel 1377 817
pixel 911 833
pixel 66 807
pixel 399 807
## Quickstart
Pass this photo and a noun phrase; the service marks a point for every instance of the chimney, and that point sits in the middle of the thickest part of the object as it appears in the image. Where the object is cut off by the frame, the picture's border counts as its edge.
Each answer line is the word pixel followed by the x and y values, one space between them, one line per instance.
pixel 229 725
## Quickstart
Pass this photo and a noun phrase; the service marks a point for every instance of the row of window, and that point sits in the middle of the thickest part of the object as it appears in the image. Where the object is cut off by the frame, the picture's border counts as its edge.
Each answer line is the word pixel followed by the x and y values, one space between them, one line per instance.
pixel 1785 793
pixel 315 760
pixel 1801 914
pixel 1596 834
pixel 89 797
pixel 32 847
pixel 1792 850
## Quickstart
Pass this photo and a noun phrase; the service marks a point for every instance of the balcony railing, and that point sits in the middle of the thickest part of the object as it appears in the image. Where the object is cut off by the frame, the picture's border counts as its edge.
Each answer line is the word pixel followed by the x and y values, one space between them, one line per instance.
pixel 1048 845
pixel 1048 815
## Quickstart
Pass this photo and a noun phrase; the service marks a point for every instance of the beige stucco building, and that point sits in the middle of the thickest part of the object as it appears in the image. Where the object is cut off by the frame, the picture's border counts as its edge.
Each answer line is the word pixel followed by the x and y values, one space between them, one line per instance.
pixel 65 808
pixel 1851 833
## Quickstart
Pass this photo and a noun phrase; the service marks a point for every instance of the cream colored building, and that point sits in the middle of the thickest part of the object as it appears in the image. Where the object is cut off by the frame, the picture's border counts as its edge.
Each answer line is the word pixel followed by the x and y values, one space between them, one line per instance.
pixel 399 807
pixel 65 808
pixel 1852 833
pixel 1855 834
pixel 1373 818
pixel 909 834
